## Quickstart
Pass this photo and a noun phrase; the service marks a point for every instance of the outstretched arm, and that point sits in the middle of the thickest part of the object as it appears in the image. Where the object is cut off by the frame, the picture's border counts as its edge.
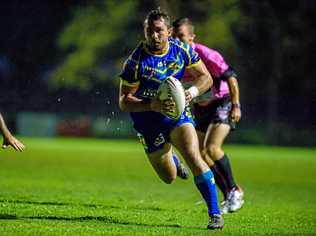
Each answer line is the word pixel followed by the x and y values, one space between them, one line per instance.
pixel 8 138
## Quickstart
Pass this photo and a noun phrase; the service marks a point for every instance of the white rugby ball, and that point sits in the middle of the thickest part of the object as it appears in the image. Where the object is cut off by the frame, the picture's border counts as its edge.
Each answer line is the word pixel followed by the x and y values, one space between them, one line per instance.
pixel 172 88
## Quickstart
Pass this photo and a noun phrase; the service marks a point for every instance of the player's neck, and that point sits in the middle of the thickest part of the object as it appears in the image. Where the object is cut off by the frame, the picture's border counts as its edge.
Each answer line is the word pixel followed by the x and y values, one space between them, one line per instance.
pixel 160 51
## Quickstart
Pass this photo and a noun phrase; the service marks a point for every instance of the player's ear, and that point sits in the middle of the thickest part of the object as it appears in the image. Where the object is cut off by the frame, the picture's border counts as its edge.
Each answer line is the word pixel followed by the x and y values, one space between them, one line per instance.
pixel 193 36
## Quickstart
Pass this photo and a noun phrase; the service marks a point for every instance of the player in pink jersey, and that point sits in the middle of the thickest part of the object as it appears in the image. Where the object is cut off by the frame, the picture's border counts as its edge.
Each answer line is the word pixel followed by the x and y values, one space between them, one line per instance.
pixel 216 113
pixel 8 138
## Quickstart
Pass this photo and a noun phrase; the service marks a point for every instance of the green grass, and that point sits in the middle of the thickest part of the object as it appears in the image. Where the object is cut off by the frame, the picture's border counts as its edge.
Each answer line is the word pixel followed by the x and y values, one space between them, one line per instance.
pixel 107 187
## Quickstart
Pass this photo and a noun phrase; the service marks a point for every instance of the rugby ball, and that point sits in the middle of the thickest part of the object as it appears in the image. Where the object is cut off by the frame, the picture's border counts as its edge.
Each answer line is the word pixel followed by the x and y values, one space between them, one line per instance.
pixel 172 88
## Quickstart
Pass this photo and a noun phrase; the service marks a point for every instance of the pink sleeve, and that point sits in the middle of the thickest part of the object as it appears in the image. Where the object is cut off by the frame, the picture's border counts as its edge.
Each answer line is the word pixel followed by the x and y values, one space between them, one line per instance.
pixel 213 60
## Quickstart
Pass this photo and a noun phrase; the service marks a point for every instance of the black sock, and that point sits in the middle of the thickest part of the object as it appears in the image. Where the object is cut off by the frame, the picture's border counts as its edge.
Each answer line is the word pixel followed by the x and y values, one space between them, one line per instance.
pixel 223 166
pixel 220 181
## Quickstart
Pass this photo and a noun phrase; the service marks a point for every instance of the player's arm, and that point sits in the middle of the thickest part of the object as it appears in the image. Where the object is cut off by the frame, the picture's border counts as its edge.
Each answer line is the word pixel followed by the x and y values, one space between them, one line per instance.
pixel 234 93
pixel 8 138
pixel 202 80
pixel 129 103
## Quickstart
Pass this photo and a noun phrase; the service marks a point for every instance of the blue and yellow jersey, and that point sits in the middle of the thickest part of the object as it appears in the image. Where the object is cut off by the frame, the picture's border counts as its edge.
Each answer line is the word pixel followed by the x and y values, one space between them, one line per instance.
pixel 148 70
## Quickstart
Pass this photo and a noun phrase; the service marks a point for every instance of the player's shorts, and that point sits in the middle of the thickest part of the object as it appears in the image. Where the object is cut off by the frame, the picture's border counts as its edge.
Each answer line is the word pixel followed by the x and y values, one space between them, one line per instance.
pixel 217 111
pixel 154 131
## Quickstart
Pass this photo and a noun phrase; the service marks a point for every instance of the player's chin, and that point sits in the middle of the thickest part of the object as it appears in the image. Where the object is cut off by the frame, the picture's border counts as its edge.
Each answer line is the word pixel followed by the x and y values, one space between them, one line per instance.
pixel 155 46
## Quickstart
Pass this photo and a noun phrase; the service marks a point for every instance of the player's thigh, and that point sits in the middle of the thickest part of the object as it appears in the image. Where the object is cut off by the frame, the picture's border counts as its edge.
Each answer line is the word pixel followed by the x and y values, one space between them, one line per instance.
pixel 185 139
pixel 161 161
pixel 214 140
pixel 216 134
pixel 201 135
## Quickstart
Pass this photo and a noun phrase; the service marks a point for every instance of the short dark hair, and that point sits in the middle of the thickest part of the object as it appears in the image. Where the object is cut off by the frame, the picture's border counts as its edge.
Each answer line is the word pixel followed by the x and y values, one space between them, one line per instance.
pixel 183 21
pixel 156 15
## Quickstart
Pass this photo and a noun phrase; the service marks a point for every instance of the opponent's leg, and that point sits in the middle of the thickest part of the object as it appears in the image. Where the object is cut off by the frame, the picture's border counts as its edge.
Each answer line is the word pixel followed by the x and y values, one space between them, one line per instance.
pixel 215 137
pixel 185 139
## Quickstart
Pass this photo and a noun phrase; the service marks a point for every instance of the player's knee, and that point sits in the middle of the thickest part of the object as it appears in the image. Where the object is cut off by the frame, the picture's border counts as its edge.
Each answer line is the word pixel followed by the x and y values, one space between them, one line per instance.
pixel 207 158
pixel 204 154
pixel 168 179
pixel 212 150
pixel 190 152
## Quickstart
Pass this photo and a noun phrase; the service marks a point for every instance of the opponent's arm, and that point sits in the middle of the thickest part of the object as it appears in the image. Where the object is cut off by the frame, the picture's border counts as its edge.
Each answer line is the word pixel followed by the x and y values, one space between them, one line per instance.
pixel 129 103
pixel 201 83
pixel 8 138
pixel 235 114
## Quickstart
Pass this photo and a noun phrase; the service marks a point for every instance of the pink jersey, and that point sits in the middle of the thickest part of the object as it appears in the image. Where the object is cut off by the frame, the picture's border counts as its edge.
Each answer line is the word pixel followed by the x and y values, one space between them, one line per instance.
pixel 216 65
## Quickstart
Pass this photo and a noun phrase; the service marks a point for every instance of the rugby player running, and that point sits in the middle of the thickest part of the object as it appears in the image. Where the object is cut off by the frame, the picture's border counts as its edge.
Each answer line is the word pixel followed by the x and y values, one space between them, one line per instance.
pixel 153 60
pixel 216 113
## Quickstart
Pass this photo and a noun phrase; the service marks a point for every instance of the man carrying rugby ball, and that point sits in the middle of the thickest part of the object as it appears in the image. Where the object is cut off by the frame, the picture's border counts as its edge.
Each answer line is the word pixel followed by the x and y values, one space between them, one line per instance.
pixel 154 60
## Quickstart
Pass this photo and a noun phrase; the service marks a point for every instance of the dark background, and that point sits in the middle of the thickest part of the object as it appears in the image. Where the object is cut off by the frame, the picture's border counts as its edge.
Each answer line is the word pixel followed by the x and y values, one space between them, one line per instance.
pixel 273 53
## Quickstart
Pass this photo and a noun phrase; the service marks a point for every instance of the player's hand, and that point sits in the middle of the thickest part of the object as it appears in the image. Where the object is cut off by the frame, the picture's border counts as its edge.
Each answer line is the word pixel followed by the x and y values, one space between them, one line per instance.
pixel 163 106
pixel 235 114
pixel 12 141
pixel 188 97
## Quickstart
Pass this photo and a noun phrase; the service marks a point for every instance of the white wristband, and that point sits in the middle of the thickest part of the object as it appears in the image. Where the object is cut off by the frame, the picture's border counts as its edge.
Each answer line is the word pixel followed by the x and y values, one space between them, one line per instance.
pixel 194 91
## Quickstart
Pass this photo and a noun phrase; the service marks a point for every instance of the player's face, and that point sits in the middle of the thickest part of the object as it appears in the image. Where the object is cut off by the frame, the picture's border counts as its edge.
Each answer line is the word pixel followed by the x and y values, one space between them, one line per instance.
pixel 156 34
pixel 183 33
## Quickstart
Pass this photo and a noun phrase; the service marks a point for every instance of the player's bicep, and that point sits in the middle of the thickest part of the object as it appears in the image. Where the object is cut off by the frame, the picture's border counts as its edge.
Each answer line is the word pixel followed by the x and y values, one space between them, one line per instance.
pixel 199 69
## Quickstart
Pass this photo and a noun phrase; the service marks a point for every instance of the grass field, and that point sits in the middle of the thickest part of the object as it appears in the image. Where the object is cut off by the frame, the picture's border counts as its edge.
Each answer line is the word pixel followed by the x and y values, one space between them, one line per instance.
pixel 106 187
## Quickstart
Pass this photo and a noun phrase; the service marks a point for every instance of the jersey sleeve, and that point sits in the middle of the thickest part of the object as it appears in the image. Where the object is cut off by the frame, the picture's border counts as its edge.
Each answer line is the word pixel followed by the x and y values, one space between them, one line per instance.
pixel 129 73
pixel 228 73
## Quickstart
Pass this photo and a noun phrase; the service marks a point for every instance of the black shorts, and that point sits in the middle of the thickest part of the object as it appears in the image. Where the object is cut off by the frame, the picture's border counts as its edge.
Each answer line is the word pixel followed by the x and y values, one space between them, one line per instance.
pixel 217 111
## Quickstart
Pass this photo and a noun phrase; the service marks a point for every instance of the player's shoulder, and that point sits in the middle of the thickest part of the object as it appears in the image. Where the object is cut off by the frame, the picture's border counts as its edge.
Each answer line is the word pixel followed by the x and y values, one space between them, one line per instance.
pixel 135 55
pixel 201 48
pixel 178 44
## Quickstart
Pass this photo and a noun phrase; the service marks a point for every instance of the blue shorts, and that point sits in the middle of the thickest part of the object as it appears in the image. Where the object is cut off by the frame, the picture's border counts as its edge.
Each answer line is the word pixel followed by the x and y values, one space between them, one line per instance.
pixel 154 128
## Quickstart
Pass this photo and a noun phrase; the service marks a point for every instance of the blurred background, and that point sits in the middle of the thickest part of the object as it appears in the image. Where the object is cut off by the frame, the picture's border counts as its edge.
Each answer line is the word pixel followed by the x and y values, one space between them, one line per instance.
pixel 60 60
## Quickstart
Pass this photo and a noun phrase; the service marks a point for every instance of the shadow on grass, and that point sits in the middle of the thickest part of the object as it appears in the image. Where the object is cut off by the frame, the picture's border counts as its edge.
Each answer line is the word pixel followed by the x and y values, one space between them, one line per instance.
pixel 52 203
pixel 103 219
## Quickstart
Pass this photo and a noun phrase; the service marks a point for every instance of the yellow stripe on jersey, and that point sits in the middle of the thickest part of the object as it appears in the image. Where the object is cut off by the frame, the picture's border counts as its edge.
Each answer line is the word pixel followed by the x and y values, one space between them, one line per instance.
pixel 195 64
pixel 125 83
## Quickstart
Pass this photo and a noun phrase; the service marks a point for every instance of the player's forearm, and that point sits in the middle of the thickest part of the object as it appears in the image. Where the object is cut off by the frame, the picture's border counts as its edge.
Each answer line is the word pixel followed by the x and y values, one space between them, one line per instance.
pixel 200 85
pixel 203 83
pixel 3 128
pixel 129 103
pixel 234 90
